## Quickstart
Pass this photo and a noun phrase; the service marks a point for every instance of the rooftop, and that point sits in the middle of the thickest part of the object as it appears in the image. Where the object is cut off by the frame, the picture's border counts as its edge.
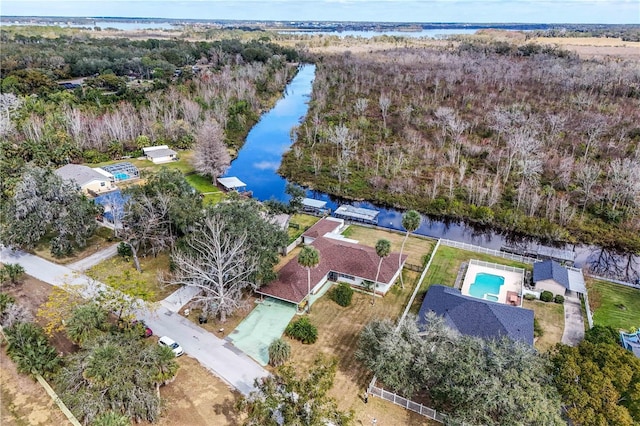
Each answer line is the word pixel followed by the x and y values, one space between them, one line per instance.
pixel 322 227
pixel 551 270
pixel 477 317
pixel 310 202
pixel 337 256
pixel 231 182
pixel 356 213
pixel 81 175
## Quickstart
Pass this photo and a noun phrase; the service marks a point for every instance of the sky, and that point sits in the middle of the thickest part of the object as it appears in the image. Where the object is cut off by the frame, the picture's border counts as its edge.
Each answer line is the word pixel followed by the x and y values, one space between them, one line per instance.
pixel 476 11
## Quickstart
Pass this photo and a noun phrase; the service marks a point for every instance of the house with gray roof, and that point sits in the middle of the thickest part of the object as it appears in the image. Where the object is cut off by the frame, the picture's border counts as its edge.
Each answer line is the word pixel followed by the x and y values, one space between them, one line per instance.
pixel 90 181
pixel 160 154
pixel 477 317
pixel 551 276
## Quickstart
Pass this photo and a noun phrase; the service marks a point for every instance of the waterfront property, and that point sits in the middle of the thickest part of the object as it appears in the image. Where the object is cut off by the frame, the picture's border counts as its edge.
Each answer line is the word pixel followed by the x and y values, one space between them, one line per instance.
pixel 232 184
pixel 551 276
pixel 491 281
pixel 477 317
pixel 90 181
pixel 357 214
pixel 341 259
pixel 160 154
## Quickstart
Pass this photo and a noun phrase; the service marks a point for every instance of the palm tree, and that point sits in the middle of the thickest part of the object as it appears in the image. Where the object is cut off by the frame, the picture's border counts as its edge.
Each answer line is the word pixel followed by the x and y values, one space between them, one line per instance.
pixel 163 366
pixel 410 221
pixel 308 258
pixel 383 249
pixel 86 322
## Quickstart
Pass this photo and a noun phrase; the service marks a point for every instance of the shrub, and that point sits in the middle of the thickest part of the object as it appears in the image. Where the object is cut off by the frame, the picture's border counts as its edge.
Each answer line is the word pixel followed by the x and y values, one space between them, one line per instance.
pixel 303 331
pixel 546 296
pixel 29 349
pixel 342 294
pixel 559 299
pixel 124 250
pixel 279 352
pixel 529 296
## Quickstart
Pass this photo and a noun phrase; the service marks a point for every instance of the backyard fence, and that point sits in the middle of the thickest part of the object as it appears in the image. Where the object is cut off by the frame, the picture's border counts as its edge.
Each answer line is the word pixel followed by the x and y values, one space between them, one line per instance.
pixel 484 250
pixel 429 413
pixel 496 266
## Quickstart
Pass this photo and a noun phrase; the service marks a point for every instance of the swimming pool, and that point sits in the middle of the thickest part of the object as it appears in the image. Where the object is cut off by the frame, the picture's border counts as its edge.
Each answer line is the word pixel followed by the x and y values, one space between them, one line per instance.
pixel 486 286
pixel 121 176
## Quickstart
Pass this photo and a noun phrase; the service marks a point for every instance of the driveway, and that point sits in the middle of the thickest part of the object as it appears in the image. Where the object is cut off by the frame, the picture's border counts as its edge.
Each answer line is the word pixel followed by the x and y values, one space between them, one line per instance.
pixel 91 261
pixel 217 355
pixel 573 322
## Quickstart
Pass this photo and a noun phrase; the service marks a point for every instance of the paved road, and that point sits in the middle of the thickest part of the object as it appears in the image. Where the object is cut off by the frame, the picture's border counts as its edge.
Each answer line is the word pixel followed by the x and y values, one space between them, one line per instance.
pixel 91 261
pixel 217 355
pixel 573 322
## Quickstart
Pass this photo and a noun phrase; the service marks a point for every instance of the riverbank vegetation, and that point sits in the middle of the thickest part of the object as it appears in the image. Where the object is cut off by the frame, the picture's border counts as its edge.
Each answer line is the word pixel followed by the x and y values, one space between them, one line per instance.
pixel 525 138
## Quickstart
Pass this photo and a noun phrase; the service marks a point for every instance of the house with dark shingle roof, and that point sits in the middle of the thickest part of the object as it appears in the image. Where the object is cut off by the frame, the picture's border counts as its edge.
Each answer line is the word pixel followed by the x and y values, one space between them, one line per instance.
pixel 477 317
pixel 551 276
pixel 341 260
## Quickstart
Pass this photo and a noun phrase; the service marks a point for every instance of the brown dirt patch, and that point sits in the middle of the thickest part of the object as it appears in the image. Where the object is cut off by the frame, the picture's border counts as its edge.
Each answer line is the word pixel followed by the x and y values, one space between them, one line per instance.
pixel 197 397
pixel 23 401
pixel 595 47
pixel 214 325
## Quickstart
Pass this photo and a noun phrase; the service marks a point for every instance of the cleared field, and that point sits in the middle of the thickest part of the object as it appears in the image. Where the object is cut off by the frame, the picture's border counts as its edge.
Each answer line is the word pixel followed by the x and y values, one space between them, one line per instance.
pixel 614 305
pixel 446 264
pixel 122 269
pixel 338 331
pixel 416 247
pixel 550 316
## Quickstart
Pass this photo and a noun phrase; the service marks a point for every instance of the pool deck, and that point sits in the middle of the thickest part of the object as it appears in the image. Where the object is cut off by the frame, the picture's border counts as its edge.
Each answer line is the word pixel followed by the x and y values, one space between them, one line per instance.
pixel 512 283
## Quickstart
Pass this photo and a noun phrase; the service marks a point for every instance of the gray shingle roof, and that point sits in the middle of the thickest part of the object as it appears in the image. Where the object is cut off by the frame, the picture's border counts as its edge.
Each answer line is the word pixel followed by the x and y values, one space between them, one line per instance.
pixel 79 174
pixel 477 317
pixel 158 153
pixel 550 270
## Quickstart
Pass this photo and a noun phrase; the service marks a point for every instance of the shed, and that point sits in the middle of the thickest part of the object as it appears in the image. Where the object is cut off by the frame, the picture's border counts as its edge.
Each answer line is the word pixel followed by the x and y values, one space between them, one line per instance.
pixel 551 276
pixel 357 214
pixel 160 154
pixel 232 183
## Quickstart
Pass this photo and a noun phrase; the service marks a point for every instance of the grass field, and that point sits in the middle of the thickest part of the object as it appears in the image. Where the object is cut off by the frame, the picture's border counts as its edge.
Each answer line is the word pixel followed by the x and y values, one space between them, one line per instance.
pixel 118 267
pixel 338 331
pixel 550 316
pixel 614 305
pixel 203 184
pixel 304 222
pixel 183 163
pixel 446 264
pixel 416 247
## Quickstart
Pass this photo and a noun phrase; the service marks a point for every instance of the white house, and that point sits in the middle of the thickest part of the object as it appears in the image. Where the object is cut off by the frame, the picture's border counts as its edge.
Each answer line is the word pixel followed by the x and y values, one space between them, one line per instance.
pixel 91 181
pixel 160 154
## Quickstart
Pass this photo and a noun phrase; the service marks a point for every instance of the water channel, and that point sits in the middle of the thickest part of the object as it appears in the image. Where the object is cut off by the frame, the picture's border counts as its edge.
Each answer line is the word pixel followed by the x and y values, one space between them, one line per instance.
pixel 258 161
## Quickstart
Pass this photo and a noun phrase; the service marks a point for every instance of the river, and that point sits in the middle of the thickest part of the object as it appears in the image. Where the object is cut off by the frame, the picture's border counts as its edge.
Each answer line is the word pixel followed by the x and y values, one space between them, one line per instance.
pixel 259 159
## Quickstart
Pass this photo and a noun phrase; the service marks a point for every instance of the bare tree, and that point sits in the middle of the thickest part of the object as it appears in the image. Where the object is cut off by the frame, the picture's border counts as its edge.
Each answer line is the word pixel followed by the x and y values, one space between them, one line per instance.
pixel 384 103
pixel 216 263
pixel 211 155
pixel 587 175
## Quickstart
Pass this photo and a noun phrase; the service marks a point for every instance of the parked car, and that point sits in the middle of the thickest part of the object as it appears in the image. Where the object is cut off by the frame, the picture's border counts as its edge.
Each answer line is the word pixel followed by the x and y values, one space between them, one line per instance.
pixel 171 344
pixel 145 331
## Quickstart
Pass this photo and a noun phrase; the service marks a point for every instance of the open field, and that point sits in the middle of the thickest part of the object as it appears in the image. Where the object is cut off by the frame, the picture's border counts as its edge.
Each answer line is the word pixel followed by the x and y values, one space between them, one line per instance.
pixel 550 316
pixel 118 268
pixel 594 47
pixel 23 402
pixel 416 247
pixel 183 163
pixel 102 239
pixel 338 330
pixel 446 264
pixel 614 305
pixel 197 398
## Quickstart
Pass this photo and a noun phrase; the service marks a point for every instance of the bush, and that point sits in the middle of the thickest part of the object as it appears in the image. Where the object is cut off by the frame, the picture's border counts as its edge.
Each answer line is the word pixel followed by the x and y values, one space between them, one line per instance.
pixel 29 349
pixel 124 250
pixel 342 294
pixel 529 296
pixel 546 296
pixel 279 352
pixel 303 331
pixel 559 299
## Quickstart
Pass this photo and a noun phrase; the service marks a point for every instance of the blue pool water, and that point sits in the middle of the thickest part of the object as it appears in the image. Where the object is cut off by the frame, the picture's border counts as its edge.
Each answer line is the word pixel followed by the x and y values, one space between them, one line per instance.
pixel 121 176
pixel 486 286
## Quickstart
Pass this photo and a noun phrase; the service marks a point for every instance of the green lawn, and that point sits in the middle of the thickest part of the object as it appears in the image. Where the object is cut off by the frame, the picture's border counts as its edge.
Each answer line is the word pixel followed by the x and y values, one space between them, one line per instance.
pixel 303 222
pixel 615 305
pixel 203 184
pixel 446 264
pixel 183 164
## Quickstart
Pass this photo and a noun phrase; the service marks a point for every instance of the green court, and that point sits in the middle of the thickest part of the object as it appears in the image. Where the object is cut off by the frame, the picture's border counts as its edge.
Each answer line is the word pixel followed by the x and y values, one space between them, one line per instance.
pixel 262 326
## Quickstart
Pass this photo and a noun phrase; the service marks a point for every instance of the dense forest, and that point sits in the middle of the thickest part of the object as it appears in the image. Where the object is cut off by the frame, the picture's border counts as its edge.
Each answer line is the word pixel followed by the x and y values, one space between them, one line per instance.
pixel 131 94
pixel 524 137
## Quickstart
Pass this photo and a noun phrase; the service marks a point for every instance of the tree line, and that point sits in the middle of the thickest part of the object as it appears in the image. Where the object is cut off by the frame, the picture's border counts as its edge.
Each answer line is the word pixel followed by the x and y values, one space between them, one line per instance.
pixel 526 138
